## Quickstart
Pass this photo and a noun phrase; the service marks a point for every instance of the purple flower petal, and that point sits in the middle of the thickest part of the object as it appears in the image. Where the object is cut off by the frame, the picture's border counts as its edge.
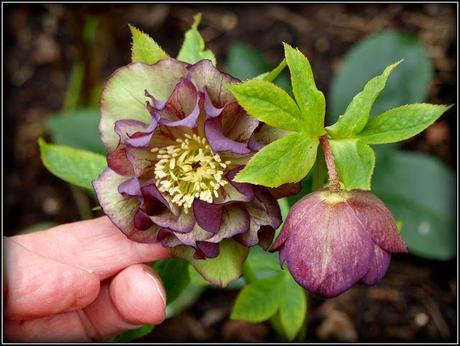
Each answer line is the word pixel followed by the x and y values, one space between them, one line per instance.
pixel 327 251
pixel 142 138
pixel 206 77
pixel 217 140
pixel 254 145
pixel 142 221
pixel 126 127
pixel 235 220
pixel 244 188
pixel 209 250
pixel 230 194
pixel 189 121
pixel 237 124
pixel 378 266
pixel 265 216
pixel 207 215
pixel 117 160
pixel 210 110
pixel 119 209
pixel 285 190
pixel 182 223
pixel 134 132
pixel 157 104
pixel 130 188
pixel 153 201
pixel 183 104
pixel 142 161
pixel 377 220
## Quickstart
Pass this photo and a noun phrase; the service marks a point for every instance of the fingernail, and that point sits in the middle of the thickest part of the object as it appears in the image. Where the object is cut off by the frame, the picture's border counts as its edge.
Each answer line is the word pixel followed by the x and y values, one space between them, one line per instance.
pixel 158 287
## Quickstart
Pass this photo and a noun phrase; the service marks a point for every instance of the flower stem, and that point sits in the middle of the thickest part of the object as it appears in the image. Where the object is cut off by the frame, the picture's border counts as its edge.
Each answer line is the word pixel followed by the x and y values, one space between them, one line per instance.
pixel 334 183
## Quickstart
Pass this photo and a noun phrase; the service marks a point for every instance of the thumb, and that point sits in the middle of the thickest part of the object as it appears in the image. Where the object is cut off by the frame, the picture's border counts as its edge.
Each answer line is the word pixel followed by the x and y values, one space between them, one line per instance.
pixel 36 286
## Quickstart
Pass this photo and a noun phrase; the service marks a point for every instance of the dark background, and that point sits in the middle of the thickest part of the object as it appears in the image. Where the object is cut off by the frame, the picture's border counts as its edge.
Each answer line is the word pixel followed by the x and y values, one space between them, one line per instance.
pixel 417 299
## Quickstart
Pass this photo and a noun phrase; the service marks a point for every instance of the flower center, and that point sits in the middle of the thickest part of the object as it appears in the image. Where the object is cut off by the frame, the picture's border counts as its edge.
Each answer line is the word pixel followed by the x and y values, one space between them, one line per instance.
pixel 189 170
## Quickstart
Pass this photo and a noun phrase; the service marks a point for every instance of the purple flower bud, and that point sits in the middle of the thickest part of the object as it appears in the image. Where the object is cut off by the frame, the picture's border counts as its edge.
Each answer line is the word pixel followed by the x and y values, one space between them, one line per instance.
pixel 331 240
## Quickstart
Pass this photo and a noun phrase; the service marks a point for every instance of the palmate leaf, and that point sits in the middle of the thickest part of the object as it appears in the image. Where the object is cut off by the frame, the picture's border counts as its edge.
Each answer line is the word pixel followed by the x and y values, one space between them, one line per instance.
pixel 278 295
pixel 289 158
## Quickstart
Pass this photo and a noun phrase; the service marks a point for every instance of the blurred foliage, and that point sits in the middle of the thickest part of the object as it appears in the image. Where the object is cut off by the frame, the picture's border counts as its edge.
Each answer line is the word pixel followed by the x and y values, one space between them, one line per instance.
pixel 78 128
pixel 133 334
pixel 420 191
pixel 409 83
pixel 174 273
pixel 75 166
pixel 245 61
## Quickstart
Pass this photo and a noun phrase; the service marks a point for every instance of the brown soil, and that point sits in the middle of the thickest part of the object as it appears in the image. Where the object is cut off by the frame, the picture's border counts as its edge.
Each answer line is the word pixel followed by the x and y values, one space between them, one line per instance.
pixel 417 299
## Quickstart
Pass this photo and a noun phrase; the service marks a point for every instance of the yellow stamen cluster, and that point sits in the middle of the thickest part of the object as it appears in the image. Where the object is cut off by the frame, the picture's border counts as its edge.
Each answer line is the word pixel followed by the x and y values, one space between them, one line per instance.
pixel 189 170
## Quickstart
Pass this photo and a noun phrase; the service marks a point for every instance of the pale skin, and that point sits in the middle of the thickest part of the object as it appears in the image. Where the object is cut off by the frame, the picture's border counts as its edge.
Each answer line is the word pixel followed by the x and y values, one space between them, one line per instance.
pixel 82 281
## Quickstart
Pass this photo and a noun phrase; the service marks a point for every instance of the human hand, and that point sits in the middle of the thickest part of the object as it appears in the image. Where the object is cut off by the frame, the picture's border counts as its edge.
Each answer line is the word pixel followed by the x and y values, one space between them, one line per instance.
pixel 81 281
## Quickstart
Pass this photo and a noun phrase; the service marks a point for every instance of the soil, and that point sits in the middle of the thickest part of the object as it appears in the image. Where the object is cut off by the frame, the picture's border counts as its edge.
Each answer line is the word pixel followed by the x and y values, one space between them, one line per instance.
pixel 417 299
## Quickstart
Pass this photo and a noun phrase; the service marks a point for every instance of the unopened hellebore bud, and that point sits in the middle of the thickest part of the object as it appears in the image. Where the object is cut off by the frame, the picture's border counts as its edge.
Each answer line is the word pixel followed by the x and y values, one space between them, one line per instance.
pixel 331 240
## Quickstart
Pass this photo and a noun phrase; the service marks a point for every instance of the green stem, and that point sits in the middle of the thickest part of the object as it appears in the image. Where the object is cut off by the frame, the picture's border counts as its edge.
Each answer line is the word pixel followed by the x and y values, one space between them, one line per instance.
pixel 334 183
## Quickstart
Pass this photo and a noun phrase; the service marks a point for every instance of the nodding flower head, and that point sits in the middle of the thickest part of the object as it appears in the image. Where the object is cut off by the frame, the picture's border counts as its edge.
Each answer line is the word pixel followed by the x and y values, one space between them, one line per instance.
pixel 331 240
pixel 176 138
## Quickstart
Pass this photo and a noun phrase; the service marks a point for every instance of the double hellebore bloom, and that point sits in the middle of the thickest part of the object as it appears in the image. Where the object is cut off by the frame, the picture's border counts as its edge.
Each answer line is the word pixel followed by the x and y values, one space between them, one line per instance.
pixel 176 138
pixel 332 239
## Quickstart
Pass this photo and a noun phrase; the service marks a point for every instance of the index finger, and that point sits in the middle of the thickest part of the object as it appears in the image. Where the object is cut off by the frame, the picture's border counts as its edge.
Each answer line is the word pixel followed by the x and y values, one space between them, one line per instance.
pixel 96 245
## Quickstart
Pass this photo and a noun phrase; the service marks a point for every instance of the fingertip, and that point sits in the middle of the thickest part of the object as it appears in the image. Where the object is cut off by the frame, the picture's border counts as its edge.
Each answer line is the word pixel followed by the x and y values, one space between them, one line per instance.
pixel 138 295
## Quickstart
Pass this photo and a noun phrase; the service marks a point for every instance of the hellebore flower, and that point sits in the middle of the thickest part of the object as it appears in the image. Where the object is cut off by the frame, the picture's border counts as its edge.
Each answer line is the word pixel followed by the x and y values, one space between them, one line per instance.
pixel 331 240
pixel 176 138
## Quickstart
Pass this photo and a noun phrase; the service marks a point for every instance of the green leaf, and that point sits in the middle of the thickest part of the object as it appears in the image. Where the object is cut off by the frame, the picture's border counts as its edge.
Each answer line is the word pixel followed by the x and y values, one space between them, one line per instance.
pixel 78 167
pixel 273 74
pixel 310 100
pixel 263 298
pixel 174 274
pixel 260 260
pixel 293 308
pixel 401 123
pixel 77 129
pixel 359 109
pixel 420 191
pixel 223 269
pixel 268 103
pixel 368 58
pixel 355 162
pixel 134 334
pixel 260 300
pixel 286 160
pixel 144 48
pixel 193 48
